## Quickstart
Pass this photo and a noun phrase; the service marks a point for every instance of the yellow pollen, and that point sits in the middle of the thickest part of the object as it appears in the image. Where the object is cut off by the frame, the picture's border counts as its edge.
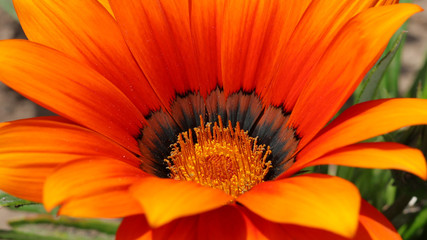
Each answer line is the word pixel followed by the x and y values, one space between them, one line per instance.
pixel 222 158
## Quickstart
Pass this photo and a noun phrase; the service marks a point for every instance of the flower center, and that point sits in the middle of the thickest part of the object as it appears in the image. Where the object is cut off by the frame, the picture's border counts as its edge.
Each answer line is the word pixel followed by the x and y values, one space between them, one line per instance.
pixel 221 157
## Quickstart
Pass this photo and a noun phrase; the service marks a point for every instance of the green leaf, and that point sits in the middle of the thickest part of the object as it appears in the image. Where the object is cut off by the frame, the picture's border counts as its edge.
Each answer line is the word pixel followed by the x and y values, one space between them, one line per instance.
pixel 12 235
pixel 410 184
pixel 375 185
pixel 49 227
pixel 370 84
pixel 34 208
pixel 7 5
pixel 109 227
pixel 419 89
pixel 417 226
pixel 7 200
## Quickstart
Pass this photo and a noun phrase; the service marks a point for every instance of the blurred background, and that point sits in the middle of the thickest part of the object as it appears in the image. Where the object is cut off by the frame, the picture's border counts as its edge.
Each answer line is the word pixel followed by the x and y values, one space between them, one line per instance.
pixel 402 72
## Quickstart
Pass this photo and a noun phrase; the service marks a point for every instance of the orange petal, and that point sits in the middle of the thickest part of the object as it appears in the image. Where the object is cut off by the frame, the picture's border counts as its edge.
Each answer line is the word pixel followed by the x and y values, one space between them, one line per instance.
pixel 164 200
pixel 384 2
pixel 106 5
pixel 360 122
pixel 85 31
pixel 100 205
pixel 319 25
pixel 303 233
pixel 265 229
pixel 159 36
pixel 47 135
pixel 134 228
pixel 206 27
pixel 312 200
pixel 372 226
pixel 32 148
pixel 261 228
pixel 375 224
pixel 137 228
pixel 350 56
pixel 72 90
pixel 254 35
pixel 27 181
pixel 377 155
pixel 181 229
pixel 224 223
pixel 254 228
pixel 92 178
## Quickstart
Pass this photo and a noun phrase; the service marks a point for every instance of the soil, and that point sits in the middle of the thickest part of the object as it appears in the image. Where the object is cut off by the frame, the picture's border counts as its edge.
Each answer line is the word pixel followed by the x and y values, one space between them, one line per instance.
pixel 415 48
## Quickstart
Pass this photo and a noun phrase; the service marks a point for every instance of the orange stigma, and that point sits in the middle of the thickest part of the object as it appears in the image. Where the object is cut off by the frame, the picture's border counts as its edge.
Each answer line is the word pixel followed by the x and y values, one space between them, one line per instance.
pixel 222 158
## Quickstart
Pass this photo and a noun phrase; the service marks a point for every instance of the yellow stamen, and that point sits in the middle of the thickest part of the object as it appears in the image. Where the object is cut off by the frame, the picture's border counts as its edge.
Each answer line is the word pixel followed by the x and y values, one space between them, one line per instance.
pixel 223 158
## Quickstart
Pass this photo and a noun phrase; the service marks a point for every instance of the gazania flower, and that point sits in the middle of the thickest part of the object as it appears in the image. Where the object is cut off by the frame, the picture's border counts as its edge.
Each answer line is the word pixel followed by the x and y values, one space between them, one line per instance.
pixel 192 119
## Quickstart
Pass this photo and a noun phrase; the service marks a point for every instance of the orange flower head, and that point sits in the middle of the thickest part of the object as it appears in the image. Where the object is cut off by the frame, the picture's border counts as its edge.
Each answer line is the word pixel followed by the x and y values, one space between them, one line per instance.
pixel 193 119
pixel 221 158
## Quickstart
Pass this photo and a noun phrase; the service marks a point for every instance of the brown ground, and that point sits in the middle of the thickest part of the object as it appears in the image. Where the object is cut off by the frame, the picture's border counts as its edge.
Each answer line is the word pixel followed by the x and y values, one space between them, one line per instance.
pixel 415 49
pixel 13 106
